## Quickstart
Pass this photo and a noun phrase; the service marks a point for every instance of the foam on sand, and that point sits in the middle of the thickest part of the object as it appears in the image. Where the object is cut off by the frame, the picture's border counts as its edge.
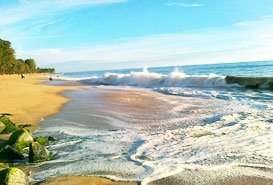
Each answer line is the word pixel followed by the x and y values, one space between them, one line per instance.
pixel 201 133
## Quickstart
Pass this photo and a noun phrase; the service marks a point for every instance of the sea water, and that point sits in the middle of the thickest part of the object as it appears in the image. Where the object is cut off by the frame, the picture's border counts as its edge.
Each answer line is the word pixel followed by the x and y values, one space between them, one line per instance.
pixel 208 122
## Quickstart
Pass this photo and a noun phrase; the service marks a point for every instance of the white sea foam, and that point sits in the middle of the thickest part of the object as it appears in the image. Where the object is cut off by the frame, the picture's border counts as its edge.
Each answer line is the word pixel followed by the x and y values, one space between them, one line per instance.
pixel 152 79
pixel 225 131
pixel 205 130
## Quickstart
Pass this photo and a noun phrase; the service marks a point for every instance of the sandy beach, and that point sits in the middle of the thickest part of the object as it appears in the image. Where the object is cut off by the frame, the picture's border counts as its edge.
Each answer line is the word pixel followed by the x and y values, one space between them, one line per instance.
pixel 75 180
pixel 29 101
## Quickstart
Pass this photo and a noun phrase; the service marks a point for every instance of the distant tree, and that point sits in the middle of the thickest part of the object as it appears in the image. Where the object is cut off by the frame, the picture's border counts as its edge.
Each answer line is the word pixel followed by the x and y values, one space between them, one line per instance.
pixel 31 65
pixel 10 65
pixel 45 70
pixel 21 66
pixel 7 57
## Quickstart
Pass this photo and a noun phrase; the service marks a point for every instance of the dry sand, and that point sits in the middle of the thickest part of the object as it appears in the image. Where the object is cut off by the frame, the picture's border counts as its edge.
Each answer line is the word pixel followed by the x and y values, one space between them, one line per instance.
pixel 28 101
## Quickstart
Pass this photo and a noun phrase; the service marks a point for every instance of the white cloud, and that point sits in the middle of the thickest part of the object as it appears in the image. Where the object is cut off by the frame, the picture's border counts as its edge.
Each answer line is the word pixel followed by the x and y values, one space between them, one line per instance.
pixel 240 42
pixel 29 9
pixel 184 5
pixel 25 20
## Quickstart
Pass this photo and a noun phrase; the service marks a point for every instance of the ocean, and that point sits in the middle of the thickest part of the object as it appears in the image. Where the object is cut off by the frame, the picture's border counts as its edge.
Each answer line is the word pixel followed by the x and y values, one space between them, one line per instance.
pixel 215 118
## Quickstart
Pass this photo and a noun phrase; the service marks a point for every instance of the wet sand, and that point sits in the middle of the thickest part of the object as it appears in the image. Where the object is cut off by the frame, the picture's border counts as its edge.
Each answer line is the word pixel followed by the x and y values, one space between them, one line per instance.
pixel 242 180
pixel 139 103
pixel 81 180
pixel 211 178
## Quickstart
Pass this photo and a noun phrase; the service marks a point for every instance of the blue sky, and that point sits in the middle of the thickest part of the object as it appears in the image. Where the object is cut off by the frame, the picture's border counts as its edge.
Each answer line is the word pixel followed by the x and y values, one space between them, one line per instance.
pixel 80 35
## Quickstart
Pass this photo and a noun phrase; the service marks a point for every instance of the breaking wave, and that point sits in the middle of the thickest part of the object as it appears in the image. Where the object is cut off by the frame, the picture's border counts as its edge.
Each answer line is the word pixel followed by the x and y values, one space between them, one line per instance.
pixel 176 79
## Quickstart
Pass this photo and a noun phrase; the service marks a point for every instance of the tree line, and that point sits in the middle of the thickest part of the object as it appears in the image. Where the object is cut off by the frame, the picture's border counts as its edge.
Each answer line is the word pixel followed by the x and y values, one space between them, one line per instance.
pixel 10 65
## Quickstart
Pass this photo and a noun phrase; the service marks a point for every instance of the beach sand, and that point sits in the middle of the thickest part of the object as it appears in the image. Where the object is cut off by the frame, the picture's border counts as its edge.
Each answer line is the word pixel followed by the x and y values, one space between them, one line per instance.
pixel 28 101
pixel 241 180
pixel 81 180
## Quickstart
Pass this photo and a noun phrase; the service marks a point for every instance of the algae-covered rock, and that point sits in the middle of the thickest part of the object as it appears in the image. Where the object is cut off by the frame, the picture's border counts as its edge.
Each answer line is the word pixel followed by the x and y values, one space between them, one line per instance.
pixel 2 127
pixel 38 153
pixel 42 140
pixel 13 176
pixel 16 176
pixel 9 125
pixel 9 153
pixel 20 139
pixel 3 166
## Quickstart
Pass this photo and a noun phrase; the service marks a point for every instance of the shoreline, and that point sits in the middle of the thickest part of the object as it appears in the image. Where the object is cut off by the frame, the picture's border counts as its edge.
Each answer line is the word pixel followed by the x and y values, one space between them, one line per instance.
pixel 29 101
pixel 33 84
pixel 139 101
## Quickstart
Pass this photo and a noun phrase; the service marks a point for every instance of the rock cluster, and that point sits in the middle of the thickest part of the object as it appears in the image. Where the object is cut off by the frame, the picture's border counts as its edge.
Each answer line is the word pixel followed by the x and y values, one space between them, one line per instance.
pixel 20 147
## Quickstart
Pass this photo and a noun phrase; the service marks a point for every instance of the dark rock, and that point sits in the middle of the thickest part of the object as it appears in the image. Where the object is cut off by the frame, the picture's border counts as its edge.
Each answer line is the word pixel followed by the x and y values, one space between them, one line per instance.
pixel 256 86
pixel 38 153
pixel 21 126
pixel 51 138
pixel 3 174
pixel 9 153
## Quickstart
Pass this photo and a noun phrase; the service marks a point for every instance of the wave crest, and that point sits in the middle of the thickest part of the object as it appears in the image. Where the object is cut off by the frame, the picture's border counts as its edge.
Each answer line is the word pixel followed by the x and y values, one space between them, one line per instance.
pixel 176 79
pixel 150 79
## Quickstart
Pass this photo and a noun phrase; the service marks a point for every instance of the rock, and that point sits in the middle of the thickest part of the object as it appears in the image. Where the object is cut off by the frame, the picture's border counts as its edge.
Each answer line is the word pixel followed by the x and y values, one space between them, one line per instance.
pixel 20 139
pixel 21 126
pixel 38 153
pixel 51 138
pixel 9 153
pixel 42 140
pixel 9 125
pixel 2 127
pixel 3 166
pixel 13 176
pixel 3 174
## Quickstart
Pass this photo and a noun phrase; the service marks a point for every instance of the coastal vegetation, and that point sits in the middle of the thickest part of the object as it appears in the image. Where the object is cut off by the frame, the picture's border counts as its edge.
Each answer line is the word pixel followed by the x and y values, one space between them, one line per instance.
pixel 10 65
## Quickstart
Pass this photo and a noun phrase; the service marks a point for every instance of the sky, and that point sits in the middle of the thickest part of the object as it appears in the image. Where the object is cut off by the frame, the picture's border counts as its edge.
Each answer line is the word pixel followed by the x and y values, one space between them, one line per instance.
pixel 82 35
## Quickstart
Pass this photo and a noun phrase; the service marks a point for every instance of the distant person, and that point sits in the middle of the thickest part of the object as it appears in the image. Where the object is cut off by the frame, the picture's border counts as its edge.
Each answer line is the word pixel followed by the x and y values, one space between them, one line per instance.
pixel 23 75
pixel 50 78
